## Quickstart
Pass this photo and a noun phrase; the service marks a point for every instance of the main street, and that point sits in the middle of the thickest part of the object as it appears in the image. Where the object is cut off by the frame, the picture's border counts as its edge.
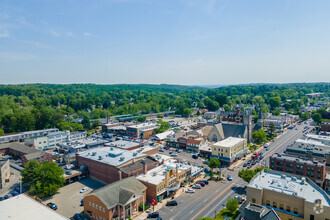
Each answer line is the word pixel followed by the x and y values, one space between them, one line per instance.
pixel 212 198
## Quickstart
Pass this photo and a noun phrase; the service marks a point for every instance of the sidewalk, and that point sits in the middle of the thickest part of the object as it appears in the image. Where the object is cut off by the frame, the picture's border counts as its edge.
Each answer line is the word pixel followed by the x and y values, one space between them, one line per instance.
pixel 161 204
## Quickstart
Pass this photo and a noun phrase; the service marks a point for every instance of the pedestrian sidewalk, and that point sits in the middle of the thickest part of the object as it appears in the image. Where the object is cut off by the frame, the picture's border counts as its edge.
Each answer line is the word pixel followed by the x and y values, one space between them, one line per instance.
pixel 161 204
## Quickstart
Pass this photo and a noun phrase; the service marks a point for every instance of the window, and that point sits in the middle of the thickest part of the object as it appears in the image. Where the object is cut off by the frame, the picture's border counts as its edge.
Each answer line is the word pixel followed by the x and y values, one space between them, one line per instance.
pixel 96 206
pixel 295 210
pixel 272 162
pixel 268 202
pixel 93 205
pixel 100 208
pixel 319 171
pixel 90 204
pixel 281 206
pixel 311 217
pixel 253 200
pixel 288 208
pixel 312 174
pixel 274 204
pixel 103 210
pixel 318 176
pixel 308 168
pixel 312 169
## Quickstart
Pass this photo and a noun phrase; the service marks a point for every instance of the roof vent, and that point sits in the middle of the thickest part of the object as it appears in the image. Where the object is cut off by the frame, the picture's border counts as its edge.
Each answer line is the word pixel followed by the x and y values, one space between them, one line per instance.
pixel 100 158
pixel 121 158
pixel 93 153
pixel 283 176
pixel 143 161
pixel 293 178
pixel 134 154
pixel 111 148
pixel 303 179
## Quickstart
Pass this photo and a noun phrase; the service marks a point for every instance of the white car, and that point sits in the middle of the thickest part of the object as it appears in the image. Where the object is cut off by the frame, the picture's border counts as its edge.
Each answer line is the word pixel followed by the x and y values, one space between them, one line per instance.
pixel 85 189
pixel 197 186
pixel 190 191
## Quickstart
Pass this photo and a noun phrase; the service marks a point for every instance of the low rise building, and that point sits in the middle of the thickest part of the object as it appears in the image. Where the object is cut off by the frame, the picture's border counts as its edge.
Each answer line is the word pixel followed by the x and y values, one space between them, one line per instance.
pixel 37 142
pixel 291 196
pixel 230 149
pixel 125 145
pixel 56 138
pixel 109 164
pixel 25 153
pixel 4 172
pixel 210 115
pixel 21 136
pixel 325 126
pixel 258 212
pixel 164 180
pixel 327 183
pixel 194 145
pixel 142 131
pixel 314 170
pixel 116 201
pixel 28 209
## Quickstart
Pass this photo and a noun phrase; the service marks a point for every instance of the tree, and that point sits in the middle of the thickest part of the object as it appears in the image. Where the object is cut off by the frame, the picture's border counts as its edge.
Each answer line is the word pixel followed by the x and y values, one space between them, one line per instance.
pixel 43 178
pixel 317 117
pixel 2 132
pixel 226 107
pixel 259 136
pixel 214 163
pixel 95 124
pixel 160 116
pixel 232 205
pixel 187 112
pixel 248 174
pixel 86 122
pixel 272 129
pixel 141 119
pixel 304 116
pixel 163 126
pixel 211 105
pixel 221 99
pixel 275 102
pixel 63 125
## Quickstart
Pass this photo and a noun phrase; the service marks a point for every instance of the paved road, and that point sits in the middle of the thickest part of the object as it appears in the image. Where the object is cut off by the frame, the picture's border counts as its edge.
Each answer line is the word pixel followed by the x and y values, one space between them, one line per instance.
pixel 210 199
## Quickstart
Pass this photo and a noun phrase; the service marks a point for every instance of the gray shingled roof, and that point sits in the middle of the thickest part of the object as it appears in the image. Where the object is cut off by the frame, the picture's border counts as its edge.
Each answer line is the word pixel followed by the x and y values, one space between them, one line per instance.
pixel 270 215
pixel 130 168
pixel 33 155
pixel 19 147
pixel 233 130
pixel 119 192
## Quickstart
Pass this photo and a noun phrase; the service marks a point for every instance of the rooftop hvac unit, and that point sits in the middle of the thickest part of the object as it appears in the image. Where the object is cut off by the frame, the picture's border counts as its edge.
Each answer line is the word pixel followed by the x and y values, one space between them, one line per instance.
pixel 121 158
pixel 134 154
pixel 93 153
pixel 100 158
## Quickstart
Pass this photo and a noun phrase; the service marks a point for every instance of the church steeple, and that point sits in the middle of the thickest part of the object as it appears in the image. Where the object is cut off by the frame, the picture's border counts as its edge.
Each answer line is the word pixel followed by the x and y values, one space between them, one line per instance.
pixel 260 122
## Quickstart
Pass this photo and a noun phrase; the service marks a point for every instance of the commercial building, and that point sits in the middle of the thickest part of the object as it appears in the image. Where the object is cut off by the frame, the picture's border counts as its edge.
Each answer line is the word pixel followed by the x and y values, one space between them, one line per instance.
pixel 125 145
pixel 4 172
pixel 116 201
pixel 291 196
pixel 327 183
pixel 109 164
pixel 320 138
pixel 25 153
pixel 27 134
pixel 325 126
pixel 164 180
pixel 229 150
pixel 314 170
pixel 37 142
pixel 56 138
pixel 142 131
pixel 258 212
pixel 147 149
pixel 210 115
pixel 24 207
pixel 194 145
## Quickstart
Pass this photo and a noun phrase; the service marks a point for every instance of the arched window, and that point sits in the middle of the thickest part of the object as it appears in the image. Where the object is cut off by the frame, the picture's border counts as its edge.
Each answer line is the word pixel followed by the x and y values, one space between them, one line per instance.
pixel 214 138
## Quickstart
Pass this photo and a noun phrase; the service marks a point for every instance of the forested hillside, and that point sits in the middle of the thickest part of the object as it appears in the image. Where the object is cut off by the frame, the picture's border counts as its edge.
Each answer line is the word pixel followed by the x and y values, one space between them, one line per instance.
pixel 38 106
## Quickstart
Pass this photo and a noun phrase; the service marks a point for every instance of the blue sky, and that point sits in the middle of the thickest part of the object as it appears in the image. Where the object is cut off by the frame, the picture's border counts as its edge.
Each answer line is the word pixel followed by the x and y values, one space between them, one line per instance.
pixel 191 42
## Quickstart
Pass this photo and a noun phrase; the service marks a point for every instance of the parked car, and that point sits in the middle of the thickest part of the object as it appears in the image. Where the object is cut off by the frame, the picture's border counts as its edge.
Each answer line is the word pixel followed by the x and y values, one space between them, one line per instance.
pixel 205 181
pixel 52 205
pixel 82 202
pixel 18 161
pixel 8 196
pixel 196 186
pixel 79 216
pixel 201 183
pixel 229 177
pixel 85 189
pixel 174 155
pixel 172 203
pixel 240 199
pixel 244 165
pixel 14 193
pixel 194 156
pixel 153 215
pixel 2 198
pixel 161 150
pixel 190 191
pixel 68 172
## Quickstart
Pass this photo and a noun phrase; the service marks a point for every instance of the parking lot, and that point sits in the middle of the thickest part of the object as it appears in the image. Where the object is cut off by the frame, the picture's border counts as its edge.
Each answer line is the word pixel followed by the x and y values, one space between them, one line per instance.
pixel 14 179
pixel 68 197
pixel 185 156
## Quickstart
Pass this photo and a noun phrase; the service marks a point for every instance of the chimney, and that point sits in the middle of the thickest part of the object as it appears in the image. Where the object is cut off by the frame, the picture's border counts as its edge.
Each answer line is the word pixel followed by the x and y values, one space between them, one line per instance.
pixel 177 173
pixel 163 161
pixel 238 111
pixel 145 168
pixel 119 174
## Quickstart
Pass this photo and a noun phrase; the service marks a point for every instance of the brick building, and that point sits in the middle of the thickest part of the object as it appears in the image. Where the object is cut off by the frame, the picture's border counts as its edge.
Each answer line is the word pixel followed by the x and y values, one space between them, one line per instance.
pixel 25 153
pixel 116 201
pixel 142 131
pixel 4 172
pixel 109 164
pixel 314 170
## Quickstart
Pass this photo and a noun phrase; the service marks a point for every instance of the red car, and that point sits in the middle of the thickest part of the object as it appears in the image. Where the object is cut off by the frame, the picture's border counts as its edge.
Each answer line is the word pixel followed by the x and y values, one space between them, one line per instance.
pixel 167 148
pixel 201 183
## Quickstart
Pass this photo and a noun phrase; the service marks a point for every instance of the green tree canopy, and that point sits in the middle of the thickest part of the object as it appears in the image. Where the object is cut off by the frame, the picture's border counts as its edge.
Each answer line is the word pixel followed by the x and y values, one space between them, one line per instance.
pixel 317 117
pixel 275 102
pixel 141 119
pixel 214 163
pixel 259 136
pixel 43 178
pixel 163 126
pixel 232 205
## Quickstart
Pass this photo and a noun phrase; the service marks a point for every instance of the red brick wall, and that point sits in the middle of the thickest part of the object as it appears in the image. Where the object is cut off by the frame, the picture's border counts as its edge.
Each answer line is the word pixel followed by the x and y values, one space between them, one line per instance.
pixel 100 171
pixel 89 200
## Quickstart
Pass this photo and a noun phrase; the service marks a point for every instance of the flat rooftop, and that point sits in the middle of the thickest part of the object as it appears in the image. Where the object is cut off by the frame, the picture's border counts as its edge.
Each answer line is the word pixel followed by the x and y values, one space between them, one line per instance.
pixel 119 127
pixel 229 142
pixel 24 207
pixel 122 144
pixel 143 125
pixel 145 148
pixel 110 155
pixel 292 158
pixel 321 138
pixel 289 184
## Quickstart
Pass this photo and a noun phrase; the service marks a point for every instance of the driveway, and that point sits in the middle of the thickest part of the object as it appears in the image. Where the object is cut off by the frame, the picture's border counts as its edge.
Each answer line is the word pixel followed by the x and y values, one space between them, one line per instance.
pixel 68 197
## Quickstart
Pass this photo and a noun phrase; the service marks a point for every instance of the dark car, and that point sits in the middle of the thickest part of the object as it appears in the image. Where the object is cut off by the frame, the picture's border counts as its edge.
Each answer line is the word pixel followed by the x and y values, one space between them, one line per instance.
pixel 205 181
pixel 201 183
pixel 15 193
pixel 194 156
pixel 2 198
pixel 153 215
pixel 68 172
pixel 244 165
pixel 82 202
pixel 8 196
pixel 52 205
pixel 172 203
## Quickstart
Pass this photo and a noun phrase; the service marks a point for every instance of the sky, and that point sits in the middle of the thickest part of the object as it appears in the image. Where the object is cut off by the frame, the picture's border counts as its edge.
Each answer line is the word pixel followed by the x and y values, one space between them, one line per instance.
pixel 188 42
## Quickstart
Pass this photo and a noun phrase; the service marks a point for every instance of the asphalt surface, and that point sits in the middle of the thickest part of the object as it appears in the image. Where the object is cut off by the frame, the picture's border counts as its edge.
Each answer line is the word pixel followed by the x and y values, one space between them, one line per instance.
pixel 209 200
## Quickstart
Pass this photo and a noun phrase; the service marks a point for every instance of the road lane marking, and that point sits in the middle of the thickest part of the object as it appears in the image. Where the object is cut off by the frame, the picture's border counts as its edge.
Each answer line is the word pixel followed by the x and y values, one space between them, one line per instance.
pixel 219 203
pixel 280 145
pixel 212 201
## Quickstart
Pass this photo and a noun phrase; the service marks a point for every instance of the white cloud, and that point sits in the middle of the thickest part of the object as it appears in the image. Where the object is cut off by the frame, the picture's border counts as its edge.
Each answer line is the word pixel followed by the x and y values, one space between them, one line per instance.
pixel 4 34
pixel 87 34
pixel 70 34
pixel 54 33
